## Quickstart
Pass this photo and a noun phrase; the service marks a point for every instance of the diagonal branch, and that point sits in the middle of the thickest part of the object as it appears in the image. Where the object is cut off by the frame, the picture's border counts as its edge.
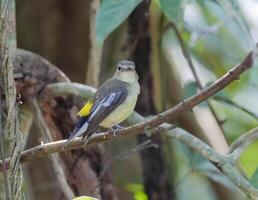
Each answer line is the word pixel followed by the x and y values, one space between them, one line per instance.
pixel 197 80
pixel 188 104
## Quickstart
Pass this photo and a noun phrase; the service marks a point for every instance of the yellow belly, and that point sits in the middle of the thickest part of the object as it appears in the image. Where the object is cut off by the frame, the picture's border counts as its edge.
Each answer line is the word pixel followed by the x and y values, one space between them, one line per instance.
pixel 122 111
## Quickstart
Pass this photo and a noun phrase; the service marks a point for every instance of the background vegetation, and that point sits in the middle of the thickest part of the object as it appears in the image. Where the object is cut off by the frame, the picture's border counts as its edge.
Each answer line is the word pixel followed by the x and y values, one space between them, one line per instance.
pixel 179 47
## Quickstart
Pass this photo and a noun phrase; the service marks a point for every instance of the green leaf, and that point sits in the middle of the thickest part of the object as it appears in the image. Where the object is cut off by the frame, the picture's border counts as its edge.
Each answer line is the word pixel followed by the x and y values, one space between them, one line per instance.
pixel 254 75
pixel 254 179
pixel 225 100
pixel 208 169
pixel 201 2
pixel 173 9
pixel 111 14
pixel 84 198
pixel 190 89
pixel 138 191
pixel 249 162
pixel 140 196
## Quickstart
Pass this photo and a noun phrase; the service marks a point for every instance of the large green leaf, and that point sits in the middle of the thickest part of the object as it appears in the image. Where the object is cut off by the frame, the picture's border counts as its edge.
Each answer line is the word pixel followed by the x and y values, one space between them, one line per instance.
pixel 111 14
pixel 249 162
pixel 190 89
pixel 173 9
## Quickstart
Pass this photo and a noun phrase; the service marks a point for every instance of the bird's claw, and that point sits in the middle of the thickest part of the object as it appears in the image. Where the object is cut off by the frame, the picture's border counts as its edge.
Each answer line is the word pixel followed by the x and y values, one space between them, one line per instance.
pixel 85 142
pixel 114 131
pixel 116 128
pixel 63 148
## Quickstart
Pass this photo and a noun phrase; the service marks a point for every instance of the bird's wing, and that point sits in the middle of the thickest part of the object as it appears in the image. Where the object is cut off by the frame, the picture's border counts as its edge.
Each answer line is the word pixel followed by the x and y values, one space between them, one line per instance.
pixel 99 107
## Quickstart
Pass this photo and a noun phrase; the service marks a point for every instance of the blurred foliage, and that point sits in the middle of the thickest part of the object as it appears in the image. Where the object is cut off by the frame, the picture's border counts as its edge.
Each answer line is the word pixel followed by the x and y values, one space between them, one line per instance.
pixel 249 161
pixel 192 172
pixel 254 179
pixel 190 89
pixel 172 9
pixel 218 34
pixel 137 190
pixel 253 76
pixel 111 14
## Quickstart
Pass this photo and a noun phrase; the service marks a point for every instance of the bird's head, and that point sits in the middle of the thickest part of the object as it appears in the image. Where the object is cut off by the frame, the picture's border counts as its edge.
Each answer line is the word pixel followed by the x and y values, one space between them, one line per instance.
pixel 126 71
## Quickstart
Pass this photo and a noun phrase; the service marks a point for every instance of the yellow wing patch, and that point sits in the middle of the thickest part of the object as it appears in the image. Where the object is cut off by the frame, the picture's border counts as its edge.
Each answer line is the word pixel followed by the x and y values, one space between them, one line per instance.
pixel 85 109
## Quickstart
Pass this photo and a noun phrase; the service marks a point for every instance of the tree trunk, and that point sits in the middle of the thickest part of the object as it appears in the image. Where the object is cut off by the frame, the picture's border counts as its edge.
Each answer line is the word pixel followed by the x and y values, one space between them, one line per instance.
pixel 11 142
pixel 156 175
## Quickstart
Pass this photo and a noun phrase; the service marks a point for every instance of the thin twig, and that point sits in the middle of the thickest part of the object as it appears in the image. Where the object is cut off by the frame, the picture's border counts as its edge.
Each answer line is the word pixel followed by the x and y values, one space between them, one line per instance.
pixel 55 160
pixel 193 69
pixel 44 130
pixel 60 176
pixel 145 145
pixel 187 56
pixel 232 103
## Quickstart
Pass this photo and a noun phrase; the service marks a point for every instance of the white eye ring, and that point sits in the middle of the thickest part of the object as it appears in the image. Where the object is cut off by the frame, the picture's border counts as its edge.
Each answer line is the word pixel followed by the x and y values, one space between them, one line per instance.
pixel 119 68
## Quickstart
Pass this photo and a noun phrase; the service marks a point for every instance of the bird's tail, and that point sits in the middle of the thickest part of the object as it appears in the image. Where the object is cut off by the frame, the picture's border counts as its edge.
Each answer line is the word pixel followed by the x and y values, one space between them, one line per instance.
pixel 68 141
pixel 73 134
pixel 83 130
pixel 76 132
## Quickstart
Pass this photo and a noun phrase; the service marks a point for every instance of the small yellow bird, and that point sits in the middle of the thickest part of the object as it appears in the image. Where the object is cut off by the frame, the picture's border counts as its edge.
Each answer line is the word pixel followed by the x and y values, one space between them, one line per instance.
pixel 111 104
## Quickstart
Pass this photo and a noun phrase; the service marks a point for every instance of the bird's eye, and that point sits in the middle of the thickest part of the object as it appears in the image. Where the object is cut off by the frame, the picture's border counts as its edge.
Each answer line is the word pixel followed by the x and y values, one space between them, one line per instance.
pixel 119 68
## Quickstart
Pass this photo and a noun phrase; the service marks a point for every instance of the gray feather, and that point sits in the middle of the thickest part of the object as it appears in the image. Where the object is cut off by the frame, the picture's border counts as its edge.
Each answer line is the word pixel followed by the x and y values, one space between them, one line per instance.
pixel 107 98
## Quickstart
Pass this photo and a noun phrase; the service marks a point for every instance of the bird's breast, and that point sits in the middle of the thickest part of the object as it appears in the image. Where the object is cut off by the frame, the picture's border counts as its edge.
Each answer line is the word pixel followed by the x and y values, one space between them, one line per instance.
pixel 125 109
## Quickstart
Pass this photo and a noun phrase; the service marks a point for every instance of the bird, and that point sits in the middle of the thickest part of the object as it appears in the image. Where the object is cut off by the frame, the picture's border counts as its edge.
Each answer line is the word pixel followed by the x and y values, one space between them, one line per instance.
pixel 111 104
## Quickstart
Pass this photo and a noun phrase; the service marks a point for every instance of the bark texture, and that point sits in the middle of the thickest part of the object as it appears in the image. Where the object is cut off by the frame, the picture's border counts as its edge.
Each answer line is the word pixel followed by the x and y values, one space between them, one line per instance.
pixel 156 178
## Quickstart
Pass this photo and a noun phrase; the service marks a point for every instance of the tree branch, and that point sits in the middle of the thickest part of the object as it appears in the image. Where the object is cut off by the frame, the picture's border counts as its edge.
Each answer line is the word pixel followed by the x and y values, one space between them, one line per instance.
pixel 11 140
pixel 54 158
pixel 186 105
pixel 220 161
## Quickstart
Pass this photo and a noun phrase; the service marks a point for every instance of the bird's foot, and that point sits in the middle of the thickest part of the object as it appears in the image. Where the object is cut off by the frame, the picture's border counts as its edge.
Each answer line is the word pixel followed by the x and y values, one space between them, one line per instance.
pixel 85 141
pixel 116 128
pixel 63 148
